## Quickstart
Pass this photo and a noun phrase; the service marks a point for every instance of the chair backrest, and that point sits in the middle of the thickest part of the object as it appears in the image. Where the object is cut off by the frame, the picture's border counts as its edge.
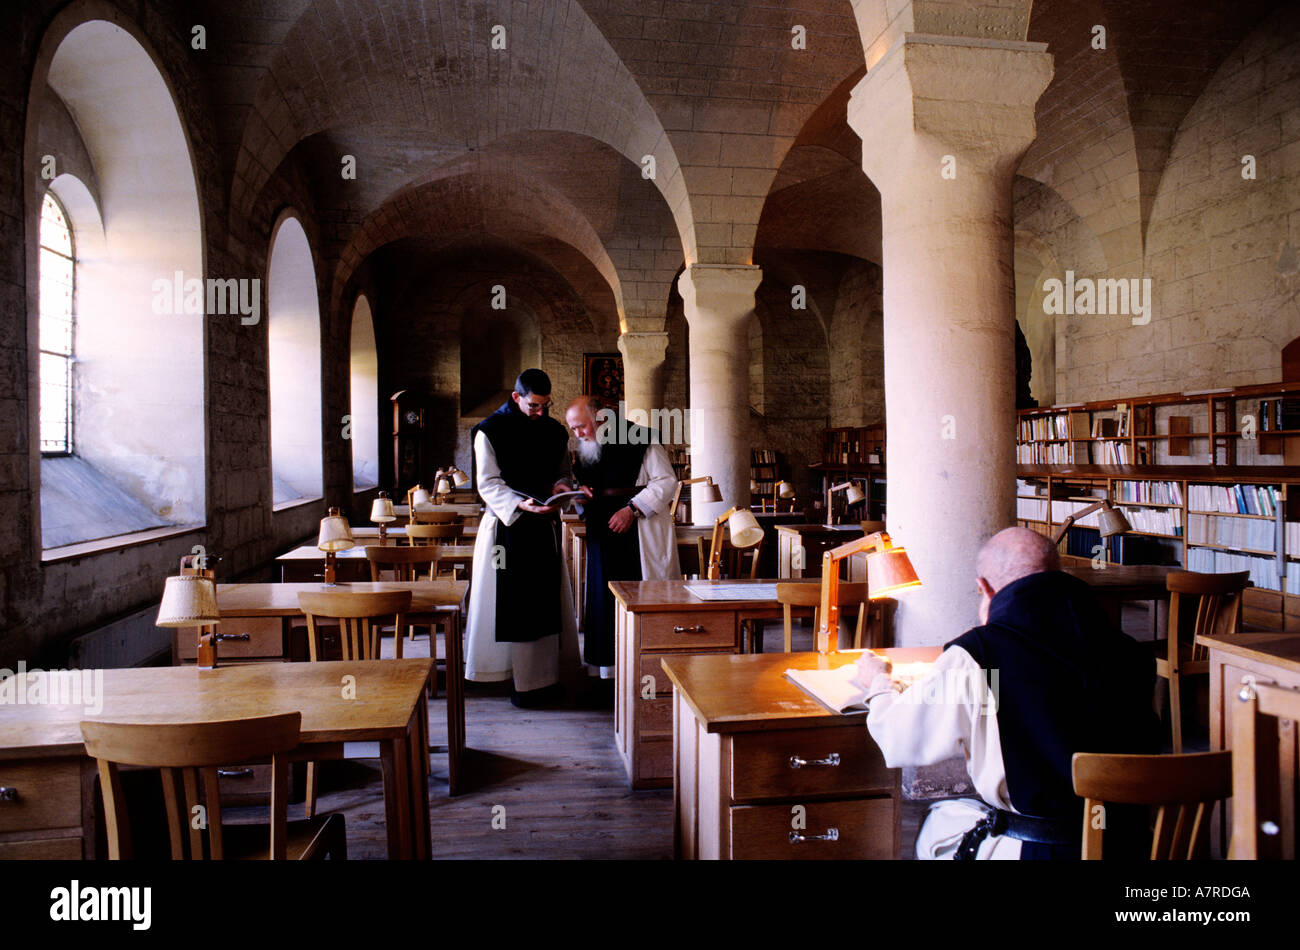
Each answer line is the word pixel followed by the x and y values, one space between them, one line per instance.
pixel 186 753
pixel 1264 725
pixel 432 516
pixel 425 534
pixel 1201 605
pixel 1184 789
pixel 790 596
pixel 732 556
pixel 406 564
pixel 360 615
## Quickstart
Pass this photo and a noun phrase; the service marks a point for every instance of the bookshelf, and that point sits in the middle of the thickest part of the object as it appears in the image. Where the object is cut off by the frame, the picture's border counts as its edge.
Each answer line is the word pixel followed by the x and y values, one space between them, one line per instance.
pixel 764 471
pixel 858 453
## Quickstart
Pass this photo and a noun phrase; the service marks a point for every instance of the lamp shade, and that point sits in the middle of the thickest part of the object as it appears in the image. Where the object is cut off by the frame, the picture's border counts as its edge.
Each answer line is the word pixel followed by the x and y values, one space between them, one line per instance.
pixel 420 496
pixel 188 601
pixel 381 510
pixel 854 494
pixel 335 532
pixel 745 531
pixel 459 478
pixel 443 486
pixel 1112 521
pixel 705 493
pixel 889 571
pixel 785 490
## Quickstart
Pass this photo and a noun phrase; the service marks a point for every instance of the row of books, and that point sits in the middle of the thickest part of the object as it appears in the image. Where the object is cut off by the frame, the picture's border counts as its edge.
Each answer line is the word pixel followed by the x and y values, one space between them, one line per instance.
pixel 1158 520
pixel 1045 453
pixel 1112 453
pixel 1042 428
pixel 1031 509
pixel 764 457
pixel 1263 570
pixel 1152 492
pixel 1234 499
pixel 1256 534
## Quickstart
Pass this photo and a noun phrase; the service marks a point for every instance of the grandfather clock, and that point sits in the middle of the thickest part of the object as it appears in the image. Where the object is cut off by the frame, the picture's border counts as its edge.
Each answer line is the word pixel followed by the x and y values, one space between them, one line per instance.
pixel 410 437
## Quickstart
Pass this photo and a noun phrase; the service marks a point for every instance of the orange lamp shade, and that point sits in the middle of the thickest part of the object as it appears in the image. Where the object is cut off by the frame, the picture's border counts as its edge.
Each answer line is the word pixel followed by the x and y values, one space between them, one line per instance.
pixel 889 571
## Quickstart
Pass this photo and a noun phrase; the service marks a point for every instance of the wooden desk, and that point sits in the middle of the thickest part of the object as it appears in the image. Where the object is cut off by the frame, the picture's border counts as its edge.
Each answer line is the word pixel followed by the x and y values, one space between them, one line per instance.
pixel 815 540
pixel 43 756
pixel 1272 657
pixel 307 563
pixel 365 534
pixel 737 722
pixel 654 619
pixel 430 600
pixel 1116 583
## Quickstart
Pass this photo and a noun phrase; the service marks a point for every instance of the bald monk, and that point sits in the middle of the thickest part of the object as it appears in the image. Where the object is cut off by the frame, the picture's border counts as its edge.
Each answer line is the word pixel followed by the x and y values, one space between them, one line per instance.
pixel 630 533
pixel 1045 675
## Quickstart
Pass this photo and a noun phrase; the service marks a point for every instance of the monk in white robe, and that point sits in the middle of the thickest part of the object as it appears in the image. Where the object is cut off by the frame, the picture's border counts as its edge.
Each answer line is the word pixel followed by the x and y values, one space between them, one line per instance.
pixel 1045 675
pixel 521 620
pixel 630 533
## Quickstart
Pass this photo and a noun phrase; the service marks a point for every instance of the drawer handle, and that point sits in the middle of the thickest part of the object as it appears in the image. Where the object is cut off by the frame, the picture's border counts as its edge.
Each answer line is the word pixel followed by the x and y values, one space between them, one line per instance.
pixel 235 773
pixel 797 763
pixel 696 628
pixel 8 793
pixel 832 834
pixel 234 636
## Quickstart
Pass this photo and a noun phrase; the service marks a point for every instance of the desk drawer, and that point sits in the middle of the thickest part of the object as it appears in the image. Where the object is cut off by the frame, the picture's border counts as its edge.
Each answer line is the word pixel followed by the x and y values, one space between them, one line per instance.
pixel 865 828
pixel 688 630
pixel 761 769
pixel 42 849
pixel 48 794
pixel 264 639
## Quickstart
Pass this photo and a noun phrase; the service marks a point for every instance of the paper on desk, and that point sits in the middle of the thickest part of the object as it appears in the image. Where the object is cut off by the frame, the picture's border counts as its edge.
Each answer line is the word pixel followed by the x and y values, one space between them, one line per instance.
pixel 711 591
pixel 837 688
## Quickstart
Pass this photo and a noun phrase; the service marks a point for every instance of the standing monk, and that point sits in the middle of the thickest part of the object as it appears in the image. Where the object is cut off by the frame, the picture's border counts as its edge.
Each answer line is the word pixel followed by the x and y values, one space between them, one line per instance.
pixel 520 608
pixel 630 534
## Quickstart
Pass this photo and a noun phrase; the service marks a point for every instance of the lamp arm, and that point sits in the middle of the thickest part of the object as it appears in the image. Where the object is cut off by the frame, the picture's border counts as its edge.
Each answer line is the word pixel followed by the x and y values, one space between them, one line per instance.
pixel 828 628
pixel 1071 519
pixel 677 496
pixel 715 545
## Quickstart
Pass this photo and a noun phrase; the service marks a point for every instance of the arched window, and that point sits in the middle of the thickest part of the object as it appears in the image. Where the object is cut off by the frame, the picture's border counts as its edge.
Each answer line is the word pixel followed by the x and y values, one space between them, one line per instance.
pixel 365 398
pixel 56 328
pixel 293 331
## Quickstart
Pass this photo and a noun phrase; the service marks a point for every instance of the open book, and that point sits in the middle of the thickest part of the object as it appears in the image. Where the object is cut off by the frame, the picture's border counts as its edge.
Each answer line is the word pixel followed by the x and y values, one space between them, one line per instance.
pixel 561 497
pixel 837 689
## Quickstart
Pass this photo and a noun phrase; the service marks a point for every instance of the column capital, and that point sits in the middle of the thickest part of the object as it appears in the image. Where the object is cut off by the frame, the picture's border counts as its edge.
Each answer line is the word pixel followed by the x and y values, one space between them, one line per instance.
pixel 646 346
pixel 932 96
pixel 719 289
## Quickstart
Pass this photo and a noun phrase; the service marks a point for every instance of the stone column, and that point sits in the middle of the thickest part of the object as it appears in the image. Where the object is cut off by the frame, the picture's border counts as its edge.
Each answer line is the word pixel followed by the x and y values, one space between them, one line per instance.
pixel 944 122
pixel 643 371
pixel 719 304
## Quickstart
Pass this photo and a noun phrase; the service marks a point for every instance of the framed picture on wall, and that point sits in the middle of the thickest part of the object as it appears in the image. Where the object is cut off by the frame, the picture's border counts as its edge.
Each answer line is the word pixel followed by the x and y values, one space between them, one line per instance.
pixel 602 376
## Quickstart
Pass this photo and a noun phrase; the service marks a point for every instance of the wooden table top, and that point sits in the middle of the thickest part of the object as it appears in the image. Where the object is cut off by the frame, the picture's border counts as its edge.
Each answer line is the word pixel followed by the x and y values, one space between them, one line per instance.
pixel 1276 648
pixel 1122 578
pixel 460 508
pixel 281 600
pixel 386 694
pixel 309 552
pixel 650 596
pixel 748 692
pixel 853 530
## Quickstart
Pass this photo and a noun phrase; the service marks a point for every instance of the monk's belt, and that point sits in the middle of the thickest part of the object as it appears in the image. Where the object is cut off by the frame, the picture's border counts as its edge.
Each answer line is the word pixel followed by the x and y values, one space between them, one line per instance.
pixel 1050 831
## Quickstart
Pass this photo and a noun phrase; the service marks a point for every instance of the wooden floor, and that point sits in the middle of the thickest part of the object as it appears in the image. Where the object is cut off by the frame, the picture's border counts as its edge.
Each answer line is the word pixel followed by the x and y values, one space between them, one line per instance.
pixel 552 774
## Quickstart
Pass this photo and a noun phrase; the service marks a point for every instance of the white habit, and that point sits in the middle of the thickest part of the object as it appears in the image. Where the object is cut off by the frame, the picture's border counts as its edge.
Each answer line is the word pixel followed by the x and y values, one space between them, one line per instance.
pixel 534 664
pixel 954 721
pixel 656 534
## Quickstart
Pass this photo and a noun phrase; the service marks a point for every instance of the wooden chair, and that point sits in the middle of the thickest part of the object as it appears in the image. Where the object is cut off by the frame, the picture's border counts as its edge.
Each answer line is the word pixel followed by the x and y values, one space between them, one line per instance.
pixel 807 596
pixel 1184 789
pixel 422 535
pixel 1264 726
pixel 361 616
pixel 188 755
pixel 1218 611
pixel 732 557
pixel 417 563
pixel 433 517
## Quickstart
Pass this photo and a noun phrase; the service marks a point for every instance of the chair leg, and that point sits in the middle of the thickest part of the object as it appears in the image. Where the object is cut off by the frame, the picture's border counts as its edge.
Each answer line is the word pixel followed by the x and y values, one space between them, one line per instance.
pixel 1176 710
pixel 309 803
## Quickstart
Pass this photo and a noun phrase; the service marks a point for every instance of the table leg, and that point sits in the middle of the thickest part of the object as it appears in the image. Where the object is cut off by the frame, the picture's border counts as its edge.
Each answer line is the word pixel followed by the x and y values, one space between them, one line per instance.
pixel 397 797
pixel 455 702
pixel 418 744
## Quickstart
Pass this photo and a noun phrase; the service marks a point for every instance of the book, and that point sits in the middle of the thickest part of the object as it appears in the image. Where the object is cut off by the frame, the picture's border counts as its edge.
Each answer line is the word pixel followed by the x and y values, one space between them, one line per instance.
pixel 562 496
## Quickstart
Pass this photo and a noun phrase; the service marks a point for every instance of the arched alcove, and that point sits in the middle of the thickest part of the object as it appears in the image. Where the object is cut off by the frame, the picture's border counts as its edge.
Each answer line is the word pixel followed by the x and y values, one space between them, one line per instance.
pixel 294 370
pixel 495 347
pixel 364 375
pixel 136 458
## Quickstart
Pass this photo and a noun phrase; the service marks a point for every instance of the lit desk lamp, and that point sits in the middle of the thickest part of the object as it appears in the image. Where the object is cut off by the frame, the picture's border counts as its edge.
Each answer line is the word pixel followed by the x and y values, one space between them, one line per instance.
pixel 1111 521
pixel 419 495
pixel 335 536
pixel 782 491
pixel 707 493
pixel 855 495
pixel 190 600
pixel 745 533
pixel 458 478
pixel 381 513
pixel 441 489
pixel 888 570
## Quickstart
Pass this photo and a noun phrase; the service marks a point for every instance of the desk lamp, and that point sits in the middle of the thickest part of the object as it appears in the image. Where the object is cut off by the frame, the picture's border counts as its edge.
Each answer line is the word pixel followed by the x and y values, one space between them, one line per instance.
pixel 381 513
pixel 190 600
pixel 458 478
pixel 855 495
pixel 782 491
pixel 707 493
pixel 441 489
pixel 889 569
pixel 745 533
pixel 335 536
pixel 419 495
pixel 1111 520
